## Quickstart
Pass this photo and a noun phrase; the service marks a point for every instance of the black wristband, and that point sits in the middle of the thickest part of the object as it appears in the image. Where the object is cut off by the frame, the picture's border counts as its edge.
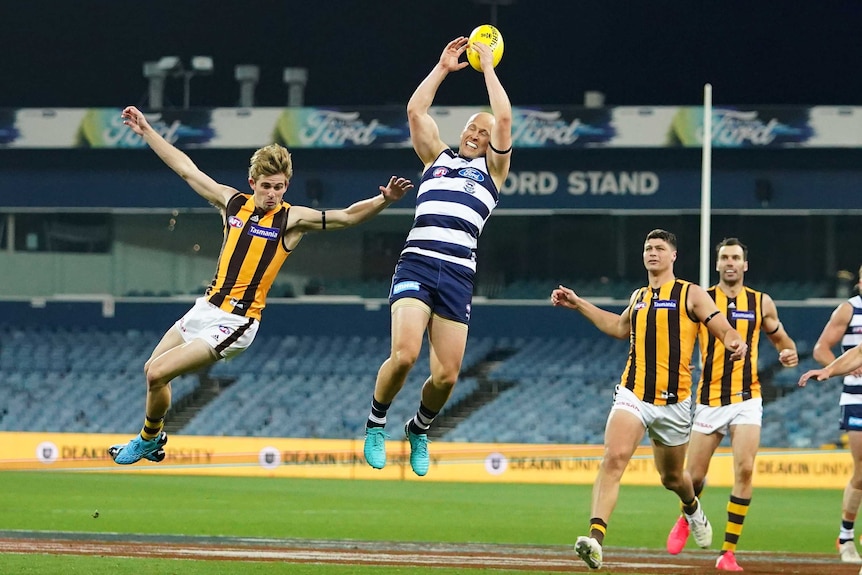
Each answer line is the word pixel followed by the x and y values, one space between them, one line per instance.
pixel 490 145
pixel 323 220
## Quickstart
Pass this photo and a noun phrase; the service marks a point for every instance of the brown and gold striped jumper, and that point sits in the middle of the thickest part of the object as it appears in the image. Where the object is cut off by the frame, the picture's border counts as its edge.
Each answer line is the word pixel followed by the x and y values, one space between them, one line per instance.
pixel 663 335
pixel 730 381
pixel 251 255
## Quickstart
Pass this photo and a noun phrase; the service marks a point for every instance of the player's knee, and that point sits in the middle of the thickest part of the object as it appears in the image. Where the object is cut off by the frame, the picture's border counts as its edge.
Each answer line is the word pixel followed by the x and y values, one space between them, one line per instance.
pixel 445 381
pixel 155 377
pixel 404 358
pixel 745 473
pixel 615 461
pixel 672 481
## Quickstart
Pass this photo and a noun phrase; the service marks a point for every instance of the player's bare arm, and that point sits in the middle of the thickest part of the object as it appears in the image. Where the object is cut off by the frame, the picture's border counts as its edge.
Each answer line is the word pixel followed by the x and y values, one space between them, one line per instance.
pixel 302 219
pixel 424 133
pixel 215 193
pixel 771 326
pixel 849 362
pixel 607 322
pixel 704 309
pixel 501 108
pixel 832 334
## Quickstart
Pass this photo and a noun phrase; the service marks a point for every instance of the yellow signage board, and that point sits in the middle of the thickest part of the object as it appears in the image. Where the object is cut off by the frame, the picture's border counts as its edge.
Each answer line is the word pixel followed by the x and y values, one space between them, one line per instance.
pixel 343 459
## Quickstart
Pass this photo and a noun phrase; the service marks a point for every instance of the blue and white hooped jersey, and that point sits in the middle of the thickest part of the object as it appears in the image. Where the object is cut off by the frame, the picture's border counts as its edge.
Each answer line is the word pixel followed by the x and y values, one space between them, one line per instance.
pixel 453 202
pixel 852 392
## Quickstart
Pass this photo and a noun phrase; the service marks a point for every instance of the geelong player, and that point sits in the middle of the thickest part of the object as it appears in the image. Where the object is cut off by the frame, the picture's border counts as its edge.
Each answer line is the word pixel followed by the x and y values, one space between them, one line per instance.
pixel 432 287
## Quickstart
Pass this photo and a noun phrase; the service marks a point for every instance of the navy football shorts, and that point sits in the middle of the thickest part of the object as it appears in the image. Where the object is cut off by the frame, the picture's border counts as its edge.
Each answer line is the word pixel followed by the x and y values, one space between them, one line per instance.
pixel 851 417
pixel 445 287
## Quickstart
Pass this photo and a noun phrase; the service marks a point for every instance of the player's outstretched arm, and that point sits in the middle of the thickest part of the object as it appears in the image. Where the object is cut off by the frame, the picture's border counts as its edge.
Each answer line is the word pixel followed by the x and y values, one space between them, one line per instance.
pixel 848 362
pixel 215 193
pixel 307 219
pixel 424 133
pixel 607 322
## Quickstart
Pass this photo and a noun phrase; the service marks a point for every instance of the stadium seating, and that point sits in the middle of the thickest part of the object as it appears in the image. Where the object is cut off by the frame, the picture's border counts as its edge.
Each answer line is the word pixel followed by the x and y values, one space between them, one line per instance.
pixel 76 380
pixel 551 390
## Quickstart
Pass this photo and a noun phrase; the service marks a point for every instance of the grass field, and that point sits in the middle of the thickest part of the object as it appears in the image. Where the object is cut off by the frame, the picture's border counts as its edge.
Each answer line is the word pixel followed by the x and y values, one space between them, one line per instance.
pixel 779 520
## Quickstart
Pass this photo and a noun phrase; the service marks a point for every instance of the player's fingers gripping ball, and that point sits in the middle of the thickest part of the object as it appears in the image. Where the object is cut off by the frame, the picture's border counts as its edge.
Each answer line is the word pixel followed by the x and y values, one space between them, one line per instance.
pixel 489 35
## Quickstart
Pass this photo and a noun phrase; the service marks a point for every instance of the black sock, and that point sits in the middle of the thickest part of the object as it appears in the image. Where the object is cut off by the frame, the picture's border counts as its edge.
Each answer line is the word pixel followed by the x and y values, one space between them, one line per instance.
pixel 377 418
pixel 421 422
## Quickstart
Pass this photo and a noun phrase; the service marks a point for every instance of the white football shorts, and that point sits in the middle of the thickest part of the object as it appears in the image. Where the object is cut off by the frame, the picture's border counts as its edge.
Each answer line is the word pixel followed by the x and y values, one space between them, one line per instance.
pixel 669 425
pixel 718 419
pixel 227 333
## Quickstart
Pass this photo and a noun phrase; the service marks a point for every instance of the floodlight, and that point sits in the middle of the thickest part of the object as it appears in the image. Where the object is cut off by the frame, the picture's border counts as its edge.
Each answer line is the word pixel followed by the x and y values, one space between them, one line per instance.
pixel 170 64
pixel 202 64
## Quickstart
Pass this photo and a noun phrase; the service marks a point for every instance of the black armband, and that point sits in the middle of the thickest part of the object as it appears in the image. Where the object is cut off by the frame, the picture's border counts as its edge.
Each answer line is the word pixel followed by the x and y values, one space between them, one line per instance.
pixel 773 332
pixel 323 220
pixel 490 145
pixel 712 315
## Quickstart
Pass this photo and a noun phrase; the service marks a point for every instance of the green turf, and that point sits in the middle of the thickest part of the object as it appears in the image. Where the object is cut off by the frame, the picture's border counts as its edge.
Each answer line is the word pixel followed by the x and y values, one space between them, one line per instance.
pixel 72 565
pixel 779 520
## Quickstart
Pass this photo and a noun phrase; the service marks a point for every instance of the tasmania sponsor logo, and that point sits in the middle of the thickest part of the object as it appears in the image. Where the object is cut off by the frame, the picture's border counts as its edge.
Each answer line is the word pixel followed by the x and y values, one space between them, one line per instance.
pixel 736 314
pixel 472 173
pixel 234 222
pixel 665 304
pixel 262 232
pixel 440 172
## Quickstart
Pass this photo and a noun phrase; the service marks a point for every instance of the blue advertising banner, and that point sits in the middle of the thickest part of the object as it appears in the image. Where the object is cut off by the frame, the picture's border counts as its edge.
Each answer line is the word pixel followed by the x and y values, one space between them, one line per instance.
pixel 386 127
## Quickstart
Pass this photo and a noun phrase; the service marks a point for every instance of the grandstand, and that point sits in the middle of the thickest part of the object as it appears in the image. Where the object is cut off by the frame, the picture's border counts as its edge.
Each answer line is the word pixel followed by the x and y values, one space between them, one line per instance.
pixel 533 389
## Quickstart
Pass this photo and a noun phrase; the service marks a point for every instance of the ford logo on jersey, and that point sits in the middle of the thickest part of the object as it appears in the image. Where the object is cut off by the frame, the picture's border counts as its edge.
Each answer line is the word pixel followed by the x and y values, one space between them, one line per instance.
pixel 472 173
pixel 234 222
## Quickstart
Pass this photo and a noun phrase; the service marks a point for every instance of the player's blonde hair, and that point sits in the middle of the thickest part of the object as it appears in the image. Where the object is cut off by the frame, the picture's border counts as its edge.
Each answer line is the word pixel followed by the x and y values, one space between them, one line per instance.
pixel 269 161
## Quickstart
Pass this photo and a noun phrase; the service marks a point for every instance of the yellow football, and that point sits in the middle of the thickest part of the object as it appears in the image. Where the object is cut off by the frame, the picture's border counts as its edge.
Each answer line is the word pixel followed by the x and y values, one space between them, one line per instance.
pixel 489 35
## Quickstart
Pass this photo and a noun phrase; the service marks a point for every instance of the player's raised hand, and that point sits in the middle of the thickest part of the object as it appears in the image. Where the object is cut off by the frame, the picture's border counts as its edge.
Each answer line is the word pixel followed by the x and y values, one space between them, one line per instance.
pixel 452 53
pixel 565 297
pixel 135 119
pixel 396 188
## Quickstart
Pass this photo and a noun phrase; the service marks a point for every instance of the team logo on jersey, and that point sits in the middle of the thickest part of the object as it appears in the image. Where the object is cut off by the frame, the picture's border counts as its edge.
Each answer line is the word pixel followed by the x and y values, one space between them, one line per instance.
pixel 469 187
pixel 405 286
pixel 237 303
pixel 255 218
pixel 262 232
pixel 234 222
pixel 736 314
pixel 439 172
pixel 665 304
pixel 472 173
